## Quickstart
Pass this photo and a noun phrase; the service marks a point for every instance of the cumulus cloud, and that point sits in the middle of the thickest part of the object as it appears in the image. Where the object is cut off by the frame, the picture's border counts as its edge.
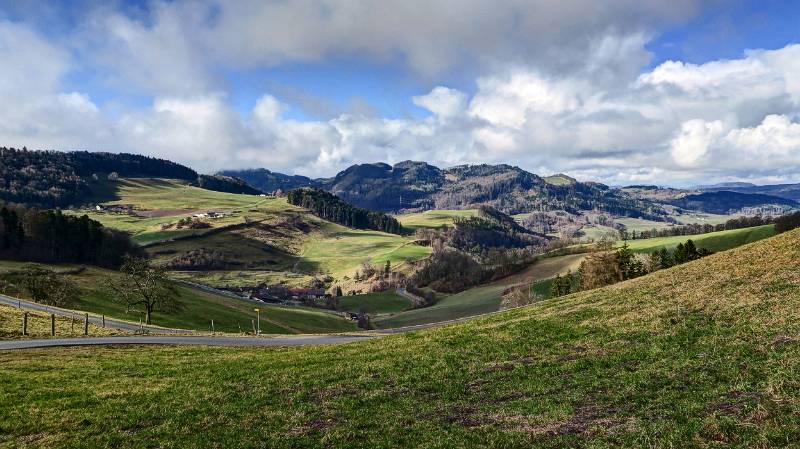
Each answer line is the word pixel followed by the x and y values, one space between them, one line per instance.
pixel 546 97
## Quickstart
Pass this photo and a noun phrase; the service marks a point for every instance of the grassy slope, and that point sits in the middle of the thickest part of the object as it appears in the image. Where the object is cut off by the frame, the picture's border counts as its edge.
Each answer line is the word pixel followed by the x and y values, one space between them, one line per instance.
pixel 433 218
pixel 482 299
pixel 705 354
pixel 714 241
pixel 229 314
pixel 294 257
pixel 39 325
pixel 382 302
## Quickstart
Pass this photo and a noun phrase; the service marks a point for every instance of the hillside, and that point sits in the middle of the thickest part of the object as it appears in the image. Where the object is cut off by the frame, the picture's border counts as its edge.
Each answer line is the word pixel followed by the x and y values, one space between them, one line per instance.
pixel 787 191
pixel 251 239
pixel 418 186
pixel 200 307
pixel 705 354
pixel 724 202
pixel 52 179
pixel 268 181
pixel 712 241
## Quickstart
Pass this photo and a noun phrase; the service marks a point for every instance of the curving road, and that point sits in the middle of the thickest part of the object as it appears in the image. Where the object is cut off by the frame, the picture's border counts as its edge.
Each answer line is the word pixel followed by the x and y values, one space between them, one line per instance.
pixel 300 340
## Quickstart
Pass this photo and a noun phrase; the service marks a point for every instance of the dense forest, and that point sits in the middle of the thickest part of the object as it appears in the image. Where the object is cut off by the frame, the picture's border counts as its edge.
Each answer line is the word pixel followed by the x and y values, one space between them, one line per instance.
pixel 226 184
pixel 329 207
pixel 55 179
pixel 60 179
pixel 50 236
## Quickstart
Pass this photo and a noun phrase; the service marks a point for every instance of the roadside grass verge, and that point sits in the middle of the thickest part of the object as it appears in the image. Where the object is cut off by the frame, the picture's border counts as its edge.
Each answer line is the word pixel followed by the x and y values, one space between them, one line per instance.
pixel 11 320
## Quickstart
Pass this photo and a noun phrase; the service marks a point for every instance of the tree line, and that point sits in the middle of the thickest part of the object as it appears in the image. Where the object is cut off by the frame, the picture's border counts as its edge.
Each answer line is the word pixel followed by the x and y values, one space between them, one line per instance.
pixel 699 228
pixel 609 267
pixel 329 207
pixel 31 234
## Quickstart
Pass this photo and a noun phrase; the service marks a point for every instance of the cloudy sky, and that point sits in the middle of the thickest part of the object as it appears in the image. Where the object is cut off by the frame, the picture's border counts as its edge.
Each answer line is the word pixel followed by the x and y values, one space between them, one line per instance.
pixel 621 91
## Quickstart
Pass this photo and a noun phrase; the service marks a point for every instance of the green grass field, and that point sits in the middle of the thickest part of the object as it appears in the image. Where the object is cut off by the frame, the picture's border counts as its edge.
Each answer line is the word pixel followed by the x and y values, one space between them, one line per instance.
pixel 229 314
pixel 638 224
pixel 705 354
pixel 165 201
pixel 714 241
pixel 433 219
pixel 375 303
pixel 267 250
pixel 482 299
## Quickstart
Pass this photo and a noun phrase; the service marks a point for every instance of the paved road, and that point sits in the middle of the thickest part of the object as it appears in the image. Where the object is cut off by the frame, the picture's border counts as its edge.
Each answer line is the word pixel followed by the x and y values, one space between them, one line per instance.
pixel 96 320
pixel 300 340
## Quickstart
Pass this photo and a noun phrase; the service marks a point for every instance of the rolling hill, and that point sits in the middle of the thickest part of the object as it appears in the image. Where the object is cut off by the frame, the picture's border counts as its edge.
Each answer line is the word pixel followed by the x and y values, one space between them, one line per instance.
pixel 418 186
pixel 200 307
pixel 705 354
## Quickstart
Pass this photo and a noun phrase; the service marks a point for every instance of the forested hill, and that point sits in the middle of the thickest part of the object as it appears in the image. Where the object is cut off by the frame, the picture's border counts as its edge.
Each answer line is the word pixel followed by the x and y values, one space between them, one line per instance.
pixel 329 207
pixel 52 179
pixel 410 185
pixel 269 181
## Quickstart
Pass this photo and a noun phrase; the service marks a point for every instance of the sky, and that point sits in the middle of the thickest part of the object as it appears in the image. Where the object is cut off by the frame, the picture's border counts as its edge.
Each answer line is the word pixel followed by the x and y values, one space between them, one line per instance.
pixel 678 92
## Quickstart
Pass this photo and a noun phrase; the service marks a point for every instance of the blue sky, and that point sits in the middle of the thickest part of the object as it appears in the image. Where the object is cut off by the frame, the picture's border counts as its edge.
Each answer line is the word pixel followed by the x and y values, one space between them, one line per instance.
pixel 621 91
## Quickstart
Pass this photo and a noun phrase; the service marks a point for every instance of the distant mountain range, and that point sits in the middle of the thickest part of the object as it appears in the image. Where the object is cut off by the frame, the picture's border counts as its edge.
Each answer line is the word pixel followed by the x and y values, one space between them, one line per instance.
pixel 787 191
pixel 59 179
pixel 413 186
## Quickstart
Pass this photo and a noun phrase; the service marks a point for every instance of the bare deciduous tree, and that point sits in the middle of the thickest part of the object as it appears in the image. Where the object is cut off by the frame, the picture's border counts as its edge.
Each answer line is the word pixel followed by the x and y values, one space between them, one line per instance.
pixel 145 285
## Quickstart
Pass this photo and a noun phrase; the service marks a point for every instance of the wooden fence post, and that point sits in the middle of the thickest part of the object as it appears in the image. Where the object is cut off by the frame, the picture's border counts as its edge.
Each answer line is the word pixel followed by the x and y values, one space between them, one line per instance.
pixel 25 324
pixel 72 328
pixel 52 325
pixel 104 321
pixel 86 324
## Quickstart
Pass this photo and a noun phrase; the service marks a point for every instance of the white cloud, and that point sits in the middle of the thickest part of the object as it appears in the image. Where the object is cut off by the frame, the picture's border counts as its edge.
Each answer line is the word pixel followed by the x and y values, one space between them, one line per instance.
pixel 546 98
pixel 443 102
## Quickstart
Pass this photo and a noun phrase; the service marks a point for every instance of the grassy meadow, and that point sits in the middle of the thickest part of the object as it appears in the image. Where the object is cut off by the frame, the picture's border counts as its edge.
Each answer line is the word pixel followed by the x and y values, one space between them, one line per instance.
pixel 433 219
pixel 714 241
pixel 705 354
pixel 375 303
pixel 200 307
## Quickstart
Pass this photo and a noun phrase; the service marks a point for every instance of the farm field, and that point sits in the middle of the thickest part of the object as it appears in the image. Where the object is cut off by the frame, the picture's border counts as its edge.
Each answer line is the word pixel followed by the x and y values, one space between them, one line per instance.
pixel 229 314
pixel 375 303
pixel 433 219
pixel 638 224
pixel 714 358
pixel 713 241
pixel 159 202
pixel 280 243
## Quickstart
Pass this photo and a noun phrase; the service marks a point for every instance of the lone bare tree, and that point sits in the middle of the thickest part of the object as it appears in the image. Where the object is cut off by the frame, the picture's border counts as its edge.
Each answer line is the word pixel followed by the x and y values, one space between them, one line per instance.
pixel 146 285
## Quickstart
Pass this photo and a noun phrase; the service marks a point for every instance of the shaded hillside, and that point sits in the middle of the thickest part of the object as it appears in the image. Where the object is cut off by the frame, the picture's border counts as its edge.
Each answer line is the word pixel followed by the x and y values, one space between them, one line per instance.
pixel 268 181
pixel 227 184
pixel 724 202
pixel 409 185
pixel 329 207
pixel 787 191
pixel 53 179
pixel 406 185
pixel 701 355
